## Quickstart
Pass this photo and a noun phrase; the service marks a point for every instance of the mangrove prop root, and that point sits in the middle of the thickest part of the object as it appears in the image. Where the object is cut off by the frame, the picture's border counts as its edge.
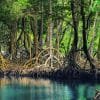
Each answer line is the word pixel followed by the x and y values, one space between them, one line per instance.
pixel 44 58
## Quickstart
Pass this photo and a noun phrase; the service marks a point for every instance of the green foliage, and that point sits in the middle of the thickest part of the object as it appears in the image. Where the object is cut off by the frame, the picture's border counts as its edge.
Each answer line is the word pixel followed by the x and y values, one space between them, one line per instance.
pixel 4 34
pixel 18 8
pixel 96 6
pixel 15 10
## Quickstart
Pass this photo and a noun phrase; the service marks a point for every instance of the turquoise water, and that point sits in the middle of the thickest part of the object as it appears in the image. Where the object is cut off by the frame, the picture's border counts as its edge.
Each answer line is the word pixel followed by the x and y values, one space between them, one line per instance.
pixel 39 89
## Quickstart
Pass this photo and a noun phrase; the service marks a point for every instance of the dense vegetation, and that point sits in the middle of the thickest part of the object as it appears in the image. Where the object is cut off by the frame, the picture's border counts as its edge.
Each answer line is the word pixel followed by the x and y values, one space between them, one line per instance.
pixel 50 32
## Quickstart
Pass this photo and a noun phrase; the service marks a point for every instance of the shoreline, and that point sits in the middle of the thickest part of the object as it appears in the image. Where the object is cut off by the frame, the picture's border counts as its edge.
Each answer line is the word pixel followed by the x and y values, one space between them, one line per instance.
pixel 56 74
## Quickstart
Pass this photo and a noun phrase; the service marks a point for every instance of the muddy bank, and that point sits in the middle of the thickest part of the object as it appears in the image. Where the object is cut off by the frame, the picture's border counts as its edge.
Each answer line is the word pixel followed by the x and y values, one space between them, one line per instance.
pixel 53 73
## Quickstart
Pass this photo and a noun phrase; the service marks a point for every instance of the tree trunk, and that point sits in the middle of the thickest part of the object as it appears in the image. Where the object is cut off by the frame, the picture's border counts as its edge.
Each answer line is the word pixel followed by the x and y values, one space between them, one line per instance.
pixel 73 51
pixel 94 35
pixel 57 44
pixel 50 33
pixel 98 52
pixel 13 40
pixel 85 35
pixel 34 29
pixel 69 42
pixel 35 37
pixel 41 32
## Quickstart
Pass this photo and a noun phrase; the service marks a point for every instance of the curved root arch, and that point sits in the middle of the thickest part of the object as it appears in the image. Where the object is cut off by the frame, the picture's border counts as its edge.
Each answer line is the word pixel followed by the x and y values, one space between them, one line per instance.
pixel 46 51
pixel 49 49
pixel 56 62
pixel 44 57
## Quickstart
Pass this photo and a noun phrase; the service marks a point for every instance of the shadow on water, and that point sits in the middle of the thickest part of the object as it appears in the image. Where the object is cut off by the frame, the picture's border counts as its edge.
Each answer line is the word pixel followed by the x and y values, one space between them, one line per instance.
pixel 45 89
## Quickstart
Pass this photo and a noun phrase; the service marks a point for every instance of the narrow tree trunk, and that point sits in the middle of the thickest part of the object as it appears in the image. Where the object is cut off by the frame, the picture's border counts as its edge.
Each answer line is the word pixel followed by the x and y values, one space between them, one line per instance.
pixel 50 32
pixel 13 40
pixel 69 42
pixel 73 53
pixel 36 37
pixel 98 51
pixel 85 35
pixel 75 23
pixel 34 28
pixel 48 35
pixel 94 35
pixel 41 33
pixel 57 44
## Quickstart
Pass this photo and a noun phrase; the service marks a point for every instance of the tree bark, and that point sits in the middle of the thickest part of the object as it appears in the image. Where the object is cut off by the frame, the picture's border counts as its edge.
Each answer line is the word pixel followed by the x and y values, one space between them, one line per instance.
pixel 84 32
pixel 34 29
pixel 13 40
pixel 73 51
pixel 41 32
pixel 98 51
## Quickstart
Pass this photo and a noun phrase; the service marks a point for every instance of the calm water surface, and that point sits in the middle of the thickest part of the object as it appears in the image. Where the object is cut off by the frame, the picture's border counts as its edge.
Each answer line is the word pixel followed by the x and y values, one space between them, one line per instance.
pixel 39 89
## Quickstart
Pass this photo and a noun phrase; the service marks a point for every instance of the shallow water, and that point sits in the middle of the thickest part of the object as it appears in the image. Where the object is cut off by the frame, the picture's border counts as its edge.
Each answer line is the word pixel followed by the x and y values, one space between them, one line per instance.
pixel 40 89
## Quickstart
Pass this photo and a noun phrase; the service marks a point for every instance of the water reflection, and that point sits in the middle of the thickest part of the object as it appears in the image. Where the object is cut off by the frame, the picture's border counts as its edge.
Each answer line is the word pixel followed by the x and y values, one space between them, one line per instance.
pixel 31 89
